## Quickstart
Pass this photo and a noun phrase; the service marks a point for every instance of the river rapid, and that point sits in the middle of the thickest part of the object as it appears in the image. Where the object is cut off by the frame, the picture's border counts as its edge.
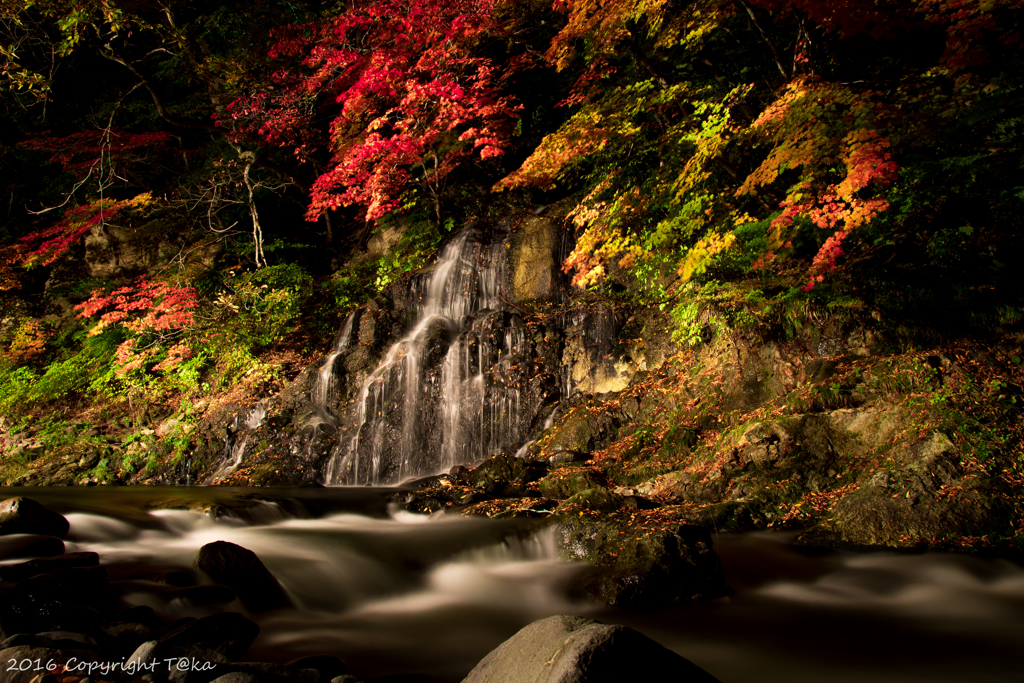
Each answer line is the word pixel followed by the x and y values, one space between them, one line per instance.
pixel 397 593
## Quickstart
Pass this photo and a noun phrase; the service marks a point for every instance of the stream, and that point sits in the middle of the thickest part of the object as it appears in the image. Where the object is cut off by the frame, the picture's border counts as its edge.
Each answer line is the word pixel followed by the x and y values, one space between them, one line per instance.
pixel 396 593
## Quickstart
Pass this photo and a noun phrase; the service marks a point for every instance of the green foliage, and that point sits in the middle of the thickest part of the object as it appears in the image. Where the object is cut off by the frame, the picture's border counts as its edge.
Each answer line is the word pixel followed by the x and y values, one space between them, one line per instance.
pixel 695 318
pixel 418 243
pixel 17 387
pixel 352 285
pixel 236 362
pixel 264 306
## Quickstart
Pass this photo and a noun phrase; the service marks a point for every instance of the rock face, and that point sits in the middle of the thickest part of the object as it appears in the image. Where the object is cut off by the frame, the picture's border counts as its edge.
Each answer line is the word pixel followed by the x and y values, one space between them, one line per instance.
pixel 112 251
pixel 565 649
pixel 26 516
pixel 532 257
pixel 241 570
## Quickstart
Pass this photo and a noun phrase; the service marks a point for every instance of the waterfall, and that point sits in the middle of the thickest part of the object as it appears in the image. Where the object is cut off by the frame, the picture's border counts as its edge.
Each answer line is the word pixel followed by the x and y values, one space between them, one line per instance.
pixel 326 383
pixel 440 397
pixel 471 377
pixel 234 446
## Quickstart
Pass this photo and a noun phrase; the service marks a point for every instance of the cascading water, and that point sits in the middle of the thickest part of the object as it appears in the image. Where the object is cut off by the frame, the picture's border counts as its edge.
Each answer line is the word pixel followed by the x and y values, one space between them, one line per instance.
pixel 234 446
pixel 326 385
pixel 444 393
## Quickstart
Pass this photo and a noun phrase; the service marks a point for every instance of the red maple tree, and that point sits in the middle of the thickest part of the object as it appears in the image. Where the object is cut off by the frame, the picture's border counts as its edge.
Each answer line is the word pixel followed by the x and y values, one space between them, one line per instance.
pixel 394 91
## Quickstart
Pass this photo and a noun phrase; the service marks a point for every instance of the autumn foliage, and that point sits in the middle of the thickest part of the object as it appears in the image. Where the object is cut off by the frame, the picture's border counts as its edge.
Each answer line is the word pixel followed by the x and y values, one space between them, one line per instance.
pixel 147 310
pixel 146 306
pixel 95 151
pixel 403 94
pixel 48 244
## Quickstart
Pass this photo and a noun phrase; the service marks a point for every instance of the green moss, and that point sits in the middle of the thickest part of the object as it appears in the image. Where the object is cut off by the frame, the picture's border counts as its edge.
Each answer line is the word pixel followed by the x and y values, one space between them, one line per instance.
pixel 568 480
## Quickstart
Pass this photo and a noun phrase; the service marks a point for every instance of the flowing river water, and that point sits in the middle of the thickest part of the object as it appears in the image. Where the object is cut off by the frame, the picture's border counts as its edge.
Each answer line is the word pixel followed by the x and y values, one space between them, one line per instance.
pixel 397 593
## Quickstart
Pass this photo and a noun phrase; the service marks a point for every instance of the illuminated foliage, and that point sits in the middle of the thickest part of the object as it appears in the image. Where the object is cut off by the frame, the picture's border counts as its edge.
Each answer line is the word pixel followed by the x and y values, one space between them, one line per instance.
pixel 145 307
pixel 405 99
pixel 47 245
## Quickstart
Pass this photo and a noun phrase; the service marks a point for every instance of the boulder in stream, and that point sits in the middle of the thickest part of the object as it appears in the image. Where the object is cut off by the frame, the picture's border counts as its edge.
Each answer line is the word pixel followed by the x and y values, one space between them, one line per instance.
pixel 242 571
pixel 29 545
pixel 25 516
pixel 567 649
pixel 641 564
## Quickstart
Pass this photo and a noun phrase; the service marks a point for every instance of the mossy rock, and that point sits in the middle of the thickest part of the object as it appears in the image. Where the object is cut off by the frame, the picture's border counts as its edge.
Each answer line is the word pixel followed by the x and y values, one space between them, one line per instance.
pixel 642 566
pixel 598 499
pixel 574 434
pixel 565 482
pixel 507 469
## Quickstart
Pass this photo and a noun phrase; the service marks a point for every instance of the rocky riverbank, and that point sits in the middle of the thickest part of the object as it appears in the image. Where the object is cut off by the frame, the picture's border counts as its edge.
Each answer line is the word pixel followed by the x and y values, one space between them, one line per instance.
pixel 63 620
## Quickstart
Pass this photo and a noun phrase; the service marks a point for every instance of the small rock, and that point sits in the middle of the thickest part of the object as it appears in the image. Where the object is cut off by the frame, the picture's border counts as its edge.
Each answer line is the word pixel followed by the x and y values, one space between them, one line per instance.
pixel 29 545
pixel 25 516
pixel 634 567
pixel 241 570
pixel 228 633
pixel 329 666
pixel 62 638
pixel 236 677
pixel 17 572
pixel 23 639
pixel 143 654
pixel 267 672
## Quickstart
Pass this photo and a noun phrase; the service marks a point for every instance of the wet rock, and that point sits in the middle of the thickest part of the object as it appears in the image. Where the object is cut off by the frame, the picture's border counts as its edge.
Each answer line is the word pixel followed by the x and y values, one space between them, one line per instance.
pixel 35 601
pixel 267 672
pixel 573 435
pixel 143 654
pixel 227 633
pixel 236 677
pixel 242 571
pixel 329 666
pixel 128 635
pixel 25 516
pixel 568 480
pixel 505 470
pixel 642 567
pixel 29 545
pixel 599 499
pixel 565 649
pixel 532 258
pixel 66 639
pixel 17 572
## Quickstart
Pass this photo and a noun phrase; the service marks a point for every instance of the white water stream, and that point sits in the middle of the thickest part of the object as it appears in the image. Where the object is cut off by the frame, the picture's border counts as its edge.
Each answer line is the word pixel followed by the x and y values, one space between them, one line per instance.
pixel 402 593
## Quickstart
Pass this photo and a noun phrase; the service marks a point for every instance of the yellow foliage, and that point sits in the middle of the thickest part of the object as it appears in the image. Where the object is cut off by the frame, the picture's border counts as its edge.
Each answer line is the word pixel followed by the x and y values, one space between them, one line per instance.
pixel 700 255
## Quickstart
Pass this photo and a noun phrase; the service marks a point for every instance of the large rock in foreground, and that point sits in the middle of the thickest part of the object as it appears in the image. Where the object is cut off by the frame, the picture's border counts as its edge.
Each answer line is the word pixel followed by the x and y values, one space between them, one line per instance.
pixel 26 516
pixel 242 571
pixel 564 649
